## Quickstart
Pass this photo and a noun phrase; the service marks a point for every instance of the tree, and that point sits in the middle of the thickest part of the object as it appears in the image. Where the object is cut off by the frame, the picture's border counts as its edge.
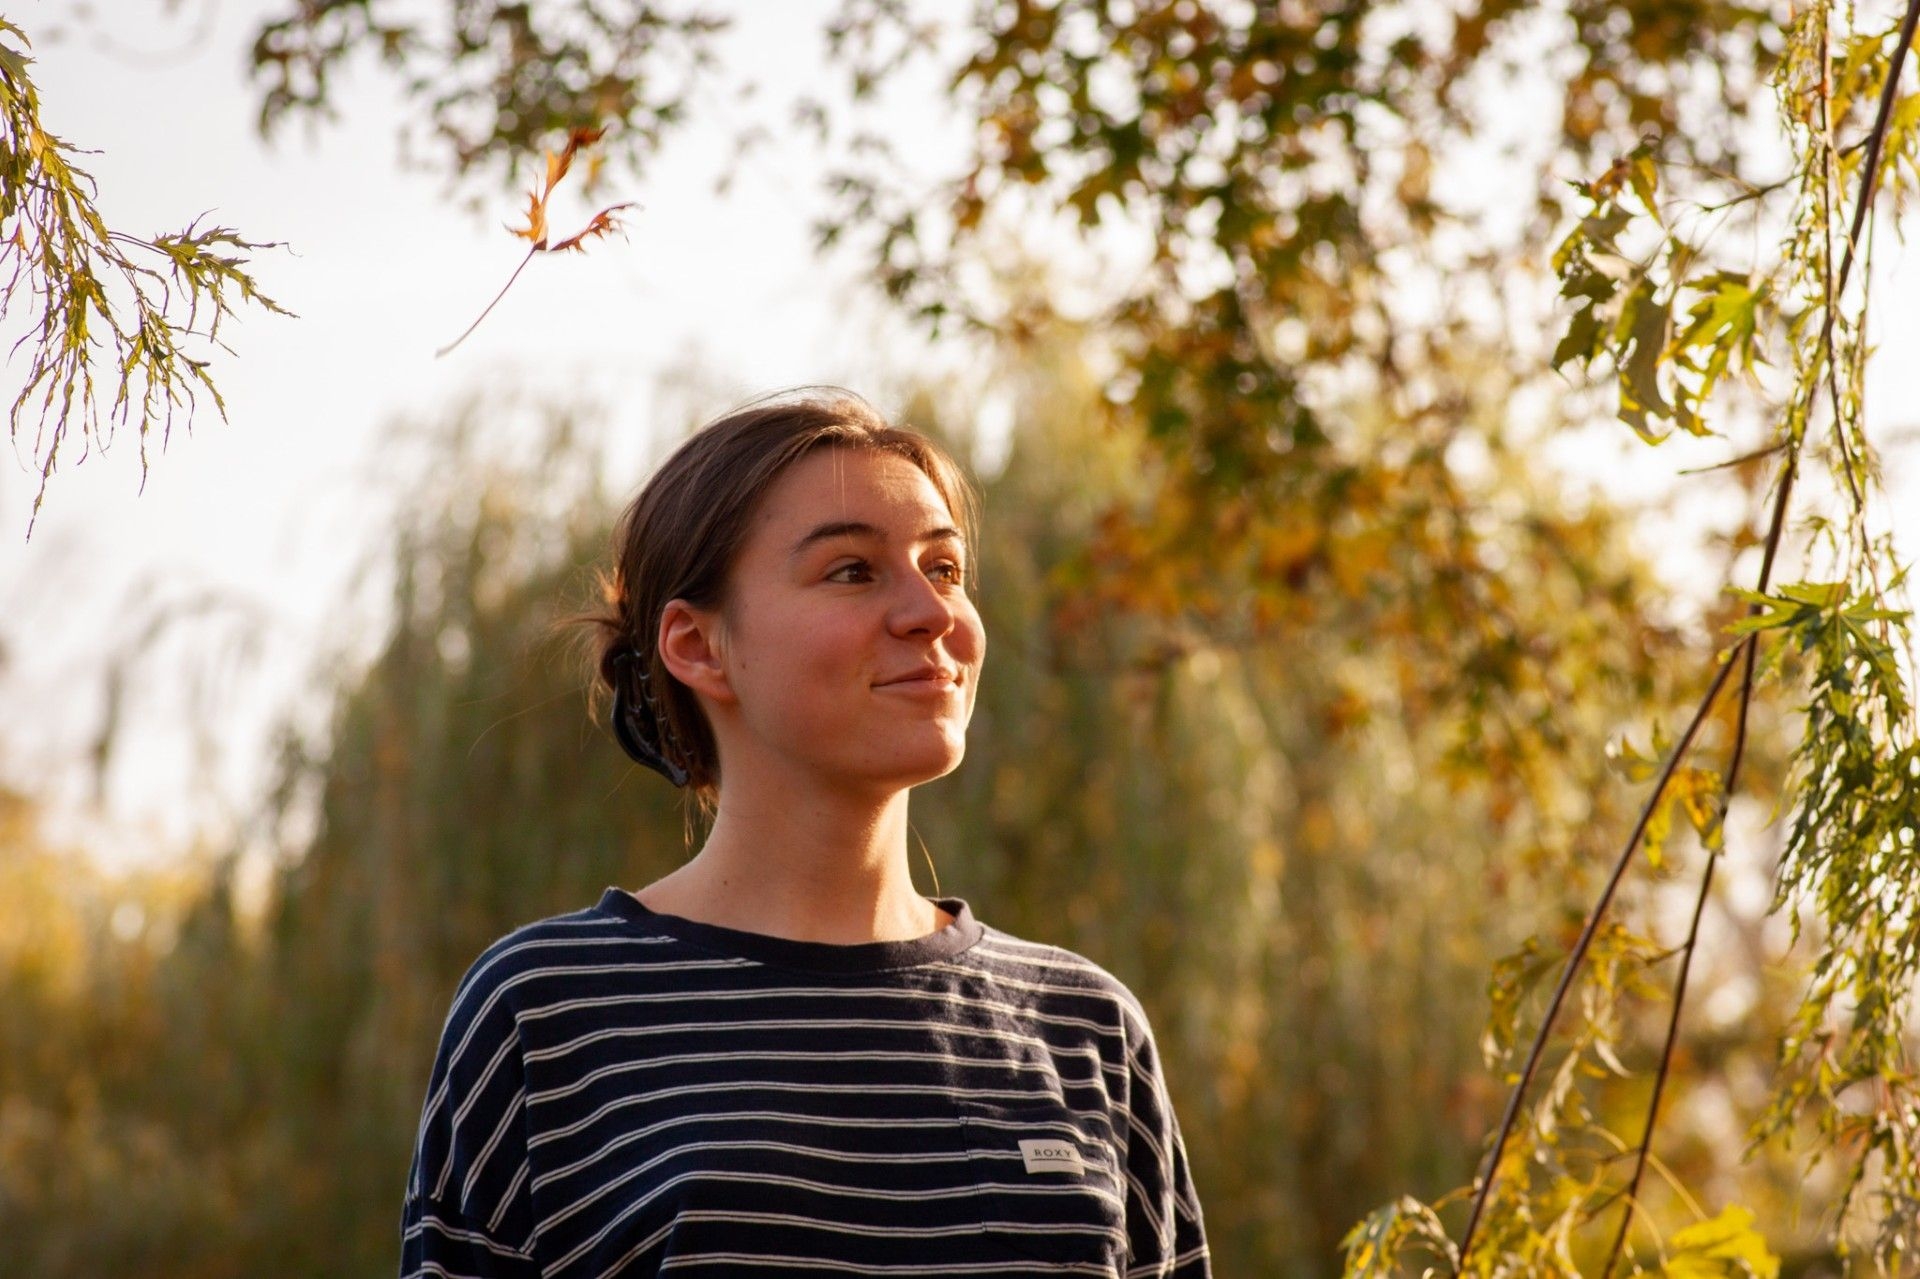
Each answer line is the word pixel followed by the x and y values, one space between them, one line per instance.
pixel 149 309
pixel 1285 170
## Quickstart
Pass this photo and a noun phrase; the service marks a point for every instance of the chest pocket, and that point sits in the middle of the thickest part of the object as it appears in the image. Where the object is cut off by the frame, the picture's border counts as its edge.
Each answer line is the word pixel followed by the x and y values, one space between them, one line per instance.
pixel 1051 1180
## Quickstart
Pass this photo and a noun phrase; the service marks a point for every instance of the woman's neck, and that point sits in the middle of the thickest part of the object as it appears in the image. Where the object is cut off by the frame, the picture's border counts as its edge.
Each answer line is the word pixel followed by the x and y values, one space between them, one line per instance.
pixel 807 865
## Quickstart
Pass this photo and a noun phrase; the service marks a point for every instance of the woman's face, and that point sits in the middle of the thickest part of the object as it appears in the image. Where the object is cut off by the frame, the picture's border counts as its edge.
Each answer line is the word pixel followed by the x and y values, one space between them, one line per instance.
pixel 850 587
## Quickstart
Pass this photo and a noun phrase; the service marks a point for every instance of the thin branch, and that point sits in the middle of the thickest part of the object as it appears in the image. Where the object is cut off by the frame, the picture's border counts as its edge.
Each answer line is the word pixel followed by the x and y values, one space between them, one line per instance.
pixel 1751 193
pixel 496 302
pixel 1687 953
pixel 1875 141
pixel 1742 460
pixel 1827 183
pixel 1585 940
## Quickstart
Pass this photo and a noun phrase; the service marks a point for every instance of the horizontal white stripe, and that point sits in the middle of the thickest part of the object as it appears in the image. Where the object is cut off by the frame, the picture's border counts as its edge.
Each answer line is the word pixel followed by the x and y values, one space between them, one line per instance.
pixel 768 1116
pixel 615 937
pixel 1168 1266
pixel 1128 1008
pixel 1045 1066
pixel 845 1267
pixel 1040 1189
pixel 733 1086
pixel 763 1179
pixel 890 1230
pixel 918 998
pixel 915 1026
pixel 435 1268
pixel 1059 1126
pixel 428 1220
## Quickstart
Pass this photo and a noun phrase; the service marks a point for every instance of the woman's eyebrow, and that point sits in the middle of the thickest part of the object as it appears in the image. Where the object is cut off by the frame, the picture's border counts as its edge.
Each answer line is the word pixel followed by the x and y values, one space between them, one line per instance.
pixel 858 528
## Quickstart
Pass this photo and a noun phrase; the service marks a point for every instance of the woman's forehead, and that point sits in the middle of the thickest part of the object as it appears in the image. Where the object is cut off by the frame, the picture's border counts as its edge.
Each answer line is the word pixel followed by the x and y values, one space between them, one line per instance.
pixel 853 486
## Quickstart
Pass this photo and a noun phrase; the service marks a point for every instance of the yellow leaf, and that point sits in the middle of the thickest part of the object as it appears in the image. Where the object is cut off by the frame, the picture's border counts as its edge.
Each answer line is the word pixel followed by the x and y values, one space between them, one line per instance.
pixel 1722 1247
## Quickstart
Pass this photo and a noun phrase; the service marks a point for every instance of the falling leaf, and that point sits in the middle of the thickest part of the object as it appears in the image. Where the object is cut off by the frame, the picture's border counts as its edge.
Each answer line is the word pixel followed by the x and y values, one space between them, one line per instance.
pixel 603 223
pixel 536 227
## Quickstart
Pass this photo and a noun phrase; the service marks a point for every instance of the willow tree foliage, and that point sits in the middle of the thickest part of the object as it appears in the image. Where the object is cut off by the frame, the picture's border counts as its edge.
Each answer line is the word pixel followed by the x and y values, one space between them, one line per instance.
pixel 119 320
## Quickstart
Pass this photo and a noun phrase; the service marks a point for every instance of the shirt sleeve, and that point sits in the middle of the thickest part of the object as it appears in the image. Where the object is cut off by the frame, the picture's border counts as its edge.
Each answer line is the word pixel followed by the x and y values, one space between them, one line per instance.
pixel 468 1210
pixel 1166 1235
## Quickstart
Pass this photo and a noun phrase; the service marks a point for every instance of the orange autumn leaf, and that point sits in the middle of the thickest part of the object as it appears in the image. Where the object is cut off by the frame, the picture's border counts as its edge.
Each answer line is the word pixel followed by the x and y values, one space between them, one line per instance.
pixel 536 227
pixel 605 222
pixel 557 166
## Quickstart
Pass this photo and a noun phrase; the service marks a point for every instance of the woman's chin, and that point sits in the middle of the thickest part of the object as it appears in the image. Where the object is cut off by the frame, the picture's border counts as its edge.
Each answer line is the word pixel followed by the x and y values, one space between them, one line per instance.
pixel 925 762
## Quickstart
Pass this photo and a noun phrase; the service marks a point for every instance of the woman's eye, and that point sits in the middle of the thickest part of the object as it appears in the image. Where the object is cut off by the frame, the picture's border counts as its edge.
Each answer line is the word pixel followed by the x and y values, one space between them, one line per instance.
pixel 955 574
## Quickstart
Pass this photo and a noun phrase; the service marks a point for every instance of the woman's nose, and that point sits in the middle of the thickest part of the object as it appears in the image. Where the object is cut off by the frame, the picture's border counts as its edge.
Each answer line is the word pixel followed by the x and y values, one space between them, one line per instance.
pixel 921 605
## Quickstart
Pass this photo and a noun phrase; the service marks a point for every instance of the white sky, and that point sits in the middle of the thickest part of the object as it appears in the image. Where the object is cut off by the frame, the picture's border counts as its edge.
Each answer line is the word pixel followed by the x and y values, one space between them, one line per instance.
pixel 276 507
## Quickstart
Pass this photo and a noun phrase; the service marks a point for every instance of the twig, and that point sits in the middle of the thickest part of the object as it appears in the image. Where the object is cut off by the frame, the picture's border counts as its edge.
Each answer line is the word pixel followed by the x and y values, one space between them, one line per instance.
pixel 605 222
pixel 1631 1194
pixel 1580 946
pixel 1744 458
pixel 1827 176
pixel 496 302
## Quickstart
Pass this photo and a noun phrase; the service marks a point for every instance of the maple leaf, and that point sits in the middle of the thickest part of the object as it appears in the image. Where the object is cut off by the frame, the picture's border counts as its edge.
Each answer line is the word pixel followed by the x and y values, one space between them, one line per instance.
pixel 536 227
pixel 557 166
pixel 603 223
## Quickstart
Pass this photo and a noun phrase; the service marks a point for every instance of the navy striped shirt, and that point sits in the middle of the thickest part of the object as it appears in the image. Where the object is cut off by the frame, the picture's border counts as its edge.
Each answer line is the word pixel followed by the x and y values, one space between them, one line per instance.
pixel 623 1092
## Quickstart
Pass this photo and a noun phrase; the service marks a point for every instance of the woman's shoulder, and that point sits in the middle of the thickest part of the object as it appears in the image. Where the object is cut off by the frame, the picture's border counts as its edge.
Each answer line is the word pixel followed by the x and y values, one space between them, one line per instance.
pixel 548 947
pixel 1053 969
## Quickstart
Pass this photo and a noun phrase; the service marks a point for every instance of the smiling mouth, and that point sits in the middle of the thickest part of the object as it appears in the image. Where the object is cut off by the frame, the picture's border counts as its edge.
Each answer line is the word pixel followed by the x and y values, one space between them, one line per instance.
pixel 924 684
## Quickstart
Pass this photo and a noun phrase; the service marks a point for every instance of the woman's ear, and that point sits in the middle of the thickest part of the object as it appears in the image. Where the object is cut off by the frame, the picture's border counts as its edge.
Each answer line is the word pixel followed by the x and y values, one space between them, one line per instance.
pixel 692 646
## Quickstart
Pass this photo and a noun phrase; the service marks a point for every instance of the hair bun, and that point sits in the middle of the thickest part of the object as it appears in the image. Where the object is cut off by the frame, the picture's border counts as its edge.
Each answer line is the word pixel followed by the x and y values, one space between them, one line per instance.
pixel 632 715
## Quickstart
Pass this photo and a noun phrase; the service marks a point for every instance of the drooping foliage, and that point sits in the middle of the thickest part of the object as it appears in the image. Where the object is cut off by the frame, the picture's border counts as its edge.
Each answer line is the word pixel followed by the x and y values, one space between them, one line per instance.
pixel 154 304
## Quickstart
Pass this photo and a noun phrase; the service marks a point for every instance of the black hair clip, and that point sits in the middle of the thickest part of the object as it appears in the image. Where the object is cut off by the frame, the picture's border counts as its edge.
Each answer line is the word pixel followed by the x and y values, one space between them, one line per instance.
pixel 628 729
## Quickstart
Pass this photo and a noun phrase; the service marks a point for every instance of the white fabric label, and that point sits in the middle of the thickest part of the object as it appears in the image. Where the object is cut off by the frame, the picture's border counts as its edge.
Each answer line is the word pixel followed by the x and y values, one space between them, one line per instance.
pixel 1051 1154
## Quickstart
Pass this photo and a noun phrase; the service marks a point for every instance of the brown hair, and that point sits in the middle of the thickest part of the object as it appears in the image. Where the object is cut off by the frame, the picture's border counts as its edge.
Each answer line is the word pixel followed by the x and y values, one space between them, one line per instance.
pixel 679 537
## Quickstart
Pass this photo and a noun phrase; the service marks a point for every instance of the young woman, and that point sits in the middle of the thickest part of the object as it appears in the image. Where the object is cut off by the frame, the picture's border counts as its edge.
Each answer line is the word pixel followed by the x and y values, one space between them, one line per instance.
pixel 779 1058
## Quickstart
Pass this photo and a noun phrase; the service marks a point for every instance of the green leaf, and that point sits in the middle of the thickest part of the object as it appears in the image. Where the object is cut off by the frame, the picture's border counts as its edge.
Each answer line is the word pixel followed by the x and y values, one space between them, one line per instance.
pixel 1581 339
pixel 1644 324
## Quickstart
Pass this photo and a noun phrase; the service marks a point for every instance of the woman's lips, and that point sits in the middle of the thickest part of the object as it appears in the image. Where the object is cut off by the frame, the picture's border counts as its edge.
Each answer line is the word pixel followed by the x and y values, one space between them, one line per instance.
pixel 924 686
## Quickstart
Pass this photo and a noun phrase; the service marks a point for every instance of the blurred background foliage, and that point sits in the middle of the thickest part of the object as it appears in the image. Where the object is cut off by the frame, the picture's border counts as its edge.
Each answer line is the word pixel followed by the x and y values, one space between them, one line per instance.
pixel 1300 851
pixel 1315 694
